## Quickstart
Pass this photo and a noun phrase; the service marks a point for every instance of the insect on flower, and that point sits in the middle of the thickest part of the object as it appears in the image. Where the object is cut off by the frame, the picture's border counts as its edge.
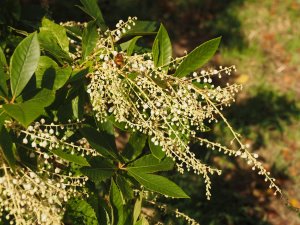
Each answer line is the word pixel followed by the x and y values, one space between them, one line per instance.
pixel 119 60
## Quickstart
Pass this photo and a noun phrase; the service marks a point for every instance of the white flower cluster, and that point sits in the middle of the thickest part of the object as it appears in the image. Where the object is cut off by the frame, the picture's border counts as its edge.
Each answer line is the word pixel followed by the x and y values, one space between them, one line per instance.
pixel 39 196
pixel 28 197
pixel 171 110
pixel 53 136
pixel 166 209
pixel 122 28
pixel 188 219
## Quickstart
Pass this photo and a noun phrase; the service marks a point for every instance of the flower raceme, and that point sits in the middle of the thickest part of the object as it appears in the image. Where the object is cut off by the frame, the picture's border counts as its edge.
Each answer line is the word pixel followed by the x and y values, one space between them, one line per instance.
pixel 171 110
pixel 30 196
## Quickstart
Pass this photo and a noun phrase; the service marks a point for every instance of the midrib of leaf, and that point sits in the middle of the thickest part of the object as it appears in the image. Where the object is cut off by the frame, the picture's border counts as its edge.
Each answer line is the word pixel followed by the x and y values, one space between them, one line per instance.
pixel 98 168
pixel 137 167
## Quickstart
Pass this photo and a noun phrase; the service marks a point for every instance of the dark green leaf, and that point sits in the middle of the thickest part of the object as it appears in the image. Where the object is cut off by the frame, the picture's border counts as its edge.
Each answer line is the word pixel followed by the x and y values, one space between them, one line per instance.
pixel 156 150
pixel 28 111
pixel 71 157
pixel 92 9
pixel 162 49
pixel 78 74
pixel 117 202
pixel 158 184
pixel 100 169
pixel 50 75
pixel 150 164
pixel 106 127
pixel 103 142
pixel 23 63
pixel 3 117
pixel 74 30
pixel 101 208
pixel 128 46
pixel 2 58
pixel 135 145
pixel 122 126
pixel 7 147
pixel 198 57
pixel 3 84
pixel 89 39
pixel 124 187
pixel 80 212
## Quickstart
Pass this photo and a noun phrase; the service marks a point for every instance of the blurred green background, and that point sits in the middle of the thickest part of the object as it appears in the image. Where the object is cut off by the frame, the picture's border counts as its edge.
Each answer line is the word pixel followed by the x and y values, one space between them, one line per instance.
pixel 260 37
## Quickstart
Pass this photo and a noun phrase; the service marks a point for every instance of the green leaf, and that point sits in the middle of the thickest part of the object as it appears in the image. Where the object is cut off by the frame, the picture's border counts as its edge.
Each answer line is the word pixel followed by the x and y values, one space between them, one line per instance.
pixel 158 184
pixel 78 104
pixel 50 75
pixel 57 31
pixel 3 85
pixel 137 209
pixel 162 49
pixel 79 160
pixel 23 63
pixel 107 127
pixel 7 147
pixel 78 74
pixel 117 202
pixel 80 212
pixel 53 39
pixel 28 111
pixel 135 145
pixel 150 164
pixel 156 150
pixel 122 126
pixel 198 57
pixel 49 43
pixel 2 58
pixel 75 30
pixel 100 169
pixel 103 211
pixel 89 39
pixel 102 142
pixel 142 28
pixel 3 117
pixel 124 187
pixel 92 9
pixel 142 221
pixel 128 46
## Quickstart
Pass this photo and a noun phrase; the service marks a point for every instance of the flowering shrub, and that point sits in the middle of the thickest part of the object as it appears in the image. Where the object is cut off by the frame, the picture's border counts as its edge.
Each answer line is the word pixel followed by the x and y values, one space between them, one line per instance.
pixel 67 93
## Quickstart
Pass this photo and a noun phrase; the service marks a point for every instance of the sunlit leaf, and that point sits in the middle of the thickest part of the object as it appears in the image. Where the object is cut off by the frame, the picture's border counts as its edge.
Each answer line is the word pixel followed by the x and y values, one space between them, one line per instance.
pixel 162 49
pixel 198 57
pixel 150 164
pixel 50 75
pixel 71 157
pixel 28 111
pixel 23 63
pixel 158 184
